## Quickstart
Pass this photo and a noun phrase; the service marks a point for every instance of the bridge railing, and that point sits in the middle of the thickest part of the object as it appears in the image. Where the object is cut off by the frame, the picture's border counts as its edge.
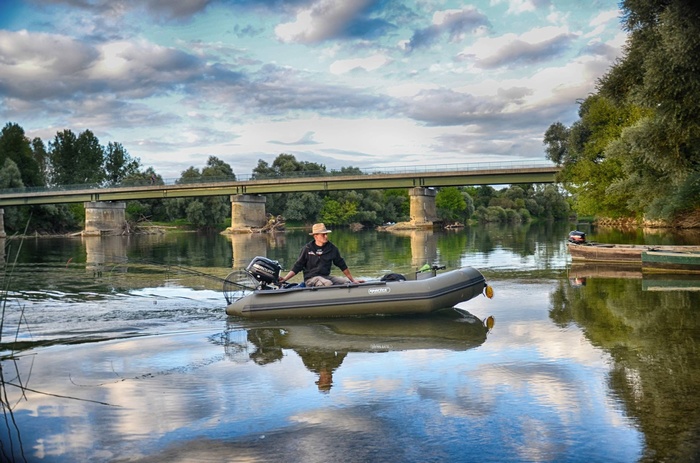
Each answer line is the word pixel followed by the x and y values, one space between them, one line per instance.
pixel 472 166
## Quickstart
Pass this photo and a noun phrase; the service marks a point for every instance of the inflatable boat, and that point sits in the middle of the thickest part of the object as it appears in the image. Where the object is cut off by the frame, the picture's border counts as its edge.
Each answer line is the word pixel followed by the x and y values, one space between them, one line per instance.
pixel 427 293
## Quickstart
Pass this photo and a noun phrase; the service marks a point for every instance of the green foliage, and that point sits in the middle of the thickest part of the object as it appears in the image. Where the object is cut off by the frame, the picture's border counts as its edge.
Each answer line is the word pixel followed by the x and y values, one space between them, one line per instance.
pixel 589 169
pixel 522 203
pixel 75 159
pixel 42 159
pixel 451 205
pixel 557 140
pixel 396 205
pixel 118 165
pixel 338 213
pixel 10 176
pixel 303 207
pixel 636 145
pixel 285 165
pixel 482 195
pixel 371 207
pixel 208 212
pixel 15 146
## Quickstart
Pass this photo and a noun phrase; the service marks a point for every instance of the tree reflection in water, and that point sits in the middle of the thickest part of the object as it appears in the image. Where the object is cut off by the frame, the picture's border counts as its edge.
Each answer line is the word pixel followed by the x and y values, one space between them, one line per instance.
pixel 653 338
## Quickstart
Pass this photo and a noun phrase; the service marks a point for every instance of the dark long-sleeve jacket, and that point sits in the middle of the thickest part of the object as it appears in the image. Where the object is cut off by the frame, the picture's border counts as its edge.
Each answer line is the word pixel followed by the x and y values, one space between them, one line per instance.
pixel 317 261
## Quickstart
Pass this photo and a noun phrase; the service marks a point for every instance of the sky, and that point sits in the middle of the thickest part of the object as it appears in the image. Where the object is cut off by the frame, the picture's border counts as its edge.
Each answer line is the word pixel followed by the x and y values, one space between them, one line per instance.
pixel 362 83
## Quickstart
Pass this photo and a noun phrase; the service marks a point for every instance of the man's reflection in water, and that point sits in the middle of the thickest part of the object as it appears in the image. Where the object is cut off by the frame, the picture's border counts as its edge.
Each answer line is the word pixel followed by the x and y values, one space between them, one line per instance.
pixel 269 342
pixel 323 363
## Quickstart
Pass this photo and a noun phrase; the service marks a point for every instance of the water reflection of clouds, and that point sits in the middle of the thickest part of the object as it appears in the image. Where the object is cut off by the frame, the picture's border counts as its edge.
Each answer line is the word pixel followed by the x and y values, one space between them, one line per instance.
pixel 529 374
pixel 505 258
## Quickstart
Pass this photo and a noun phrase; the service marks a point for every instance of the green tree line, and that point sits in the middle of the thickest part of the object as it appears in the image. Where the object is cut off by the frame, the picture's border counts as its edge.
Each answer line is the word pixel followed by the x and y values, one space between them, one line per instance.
pixel 514 204
pixel 634 152
pixel 81 159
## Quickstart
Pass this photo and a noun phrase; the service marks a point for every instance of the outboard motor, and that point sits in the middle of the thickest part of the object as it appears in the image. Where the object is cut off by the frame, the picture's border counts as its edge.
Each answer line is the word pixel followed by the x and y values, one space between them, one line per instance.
pixel 577 237
pixel 263 270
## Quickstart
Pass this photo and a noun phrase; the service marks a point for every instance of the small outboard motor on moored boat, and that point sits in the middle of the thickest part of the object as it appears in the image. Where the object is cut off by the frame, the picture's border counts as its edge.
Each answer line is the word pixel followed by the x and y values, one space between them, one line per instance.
pixel 578 237
pixel 263 270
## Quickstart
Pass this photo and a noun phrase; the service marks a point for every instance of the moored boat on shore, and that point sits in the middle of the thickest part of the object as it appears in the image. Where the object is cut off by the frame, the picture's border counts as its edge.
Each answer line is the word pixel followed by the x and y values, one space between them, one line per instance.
pixel 620 253
pixel 685 261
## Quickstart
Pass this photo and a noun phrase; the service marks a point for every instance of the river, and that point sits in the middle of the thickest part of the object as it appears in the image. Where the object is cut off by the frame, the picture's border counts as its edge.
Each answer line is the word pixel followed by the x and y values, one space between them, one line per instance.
pixel 118 349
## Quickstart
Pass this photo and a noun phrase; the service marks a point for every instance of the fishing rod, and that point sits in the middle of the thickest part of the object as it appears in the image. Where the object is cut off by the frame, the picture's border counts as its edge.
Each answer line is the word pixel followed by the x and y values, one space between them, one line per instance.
pixel 225 281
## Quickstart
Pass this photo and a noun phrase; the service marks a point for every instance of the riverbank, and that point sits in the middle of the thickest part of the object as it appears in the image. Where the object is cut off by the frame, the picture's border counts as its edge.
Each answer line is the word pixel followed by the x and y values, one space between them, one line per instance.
pixel 686 221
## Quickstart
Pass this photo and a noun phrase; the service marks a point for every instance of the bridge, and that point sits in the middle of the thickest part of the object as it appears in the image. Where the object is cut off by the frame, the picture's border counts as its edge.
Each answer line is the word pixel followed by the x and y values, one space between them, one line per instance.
pixel 105 205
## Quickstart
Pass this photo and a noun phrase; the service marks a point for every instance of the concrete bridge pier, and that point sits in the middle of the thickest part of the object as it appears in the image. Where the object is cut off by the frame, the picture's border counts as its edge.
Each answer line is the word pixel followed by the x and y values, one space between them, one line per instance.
pixel 247 211
pixel 2 223
pixel 245 247
pixel 104 218
pixel 422 207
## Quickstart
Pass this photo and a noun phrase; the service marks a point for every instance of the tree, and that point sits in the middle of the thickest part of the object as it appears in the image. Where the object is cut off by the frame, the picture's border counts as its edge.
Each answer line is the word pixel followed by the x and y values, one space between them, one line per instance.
pixel 635 146
pixel 150 209
pixel 588 169
pixel 338 213
pixel 118 164
pixel 482 195
pixel 450 204
pixel 557 140
pixel 285 165
pixel 42 158
pixel 89 163
pixel 207 212
pixel 16 146
pixel 76 160
pixel 303 207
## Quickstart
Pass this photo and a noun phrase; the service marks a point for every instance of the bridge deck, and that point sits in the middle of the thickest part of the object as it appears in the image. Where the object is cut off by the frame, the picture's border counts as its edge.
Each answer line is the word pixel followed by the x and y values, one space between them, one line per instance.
pixel 375 180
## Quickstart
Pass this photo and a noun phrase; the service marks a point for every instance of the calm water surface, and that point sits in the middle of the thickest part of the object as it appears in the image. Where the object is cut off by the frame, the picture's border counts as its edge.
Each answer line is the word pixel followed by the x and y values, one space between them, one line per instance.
pixel 118 349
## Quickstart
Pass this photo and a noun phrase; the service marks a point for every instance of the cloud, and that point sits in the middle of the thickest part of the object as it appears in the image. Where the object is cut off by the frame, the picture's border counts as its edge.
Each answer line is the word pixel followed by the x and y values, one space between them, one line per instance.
pixel 40 66
pixel 446 107
pixel 369 63
pixel 523 6
pixel 244 77
pixel 161 10
pixel 510 50
pixel 276 91
pixel 306 139
pixel 32 64
pixel 600 22
pixel 333 19
pixel 454 23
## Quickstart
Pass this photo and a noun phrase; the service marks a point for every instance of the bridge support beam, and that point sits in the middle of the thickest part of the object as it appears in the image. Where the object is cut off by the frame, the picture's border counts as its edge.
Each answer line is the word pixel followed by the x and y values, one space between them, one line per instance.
pixel 104 218
pixel 247 212
pixel 2 223
pixel 422 207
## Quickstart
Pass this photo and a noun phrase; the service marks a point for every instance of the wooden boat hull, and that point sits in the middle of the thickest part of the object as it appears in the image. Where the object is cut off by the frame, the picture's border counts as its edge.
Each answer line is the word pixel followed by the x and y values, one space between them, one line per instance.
pixel 619 253
pixel 390 297
pixel 671 261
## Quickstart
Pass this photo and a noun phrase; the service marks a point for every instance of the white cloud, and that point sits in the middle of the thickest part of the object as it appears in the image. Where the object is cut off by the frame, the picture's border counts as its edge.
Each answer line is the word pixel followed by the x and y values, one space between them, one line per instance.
pixel 522 6
pixel 605 17
pixel 194 84
pixel 320 21
pixel 601 22
pixel 369 63
pixel 535 45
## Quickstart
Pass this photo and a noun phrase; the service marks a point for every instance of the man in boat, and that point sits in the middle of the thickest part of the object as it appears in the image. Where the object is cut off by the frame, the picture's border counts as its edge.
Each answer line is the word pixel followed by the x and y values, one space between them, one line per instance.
pixel 316 259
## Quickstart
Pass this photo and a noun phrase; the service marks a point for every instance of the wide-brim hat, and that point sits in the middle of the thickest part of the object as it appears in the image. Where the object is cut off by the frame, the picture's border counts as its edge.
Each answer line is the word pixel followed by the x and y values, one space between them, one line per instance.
pixel 318 228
